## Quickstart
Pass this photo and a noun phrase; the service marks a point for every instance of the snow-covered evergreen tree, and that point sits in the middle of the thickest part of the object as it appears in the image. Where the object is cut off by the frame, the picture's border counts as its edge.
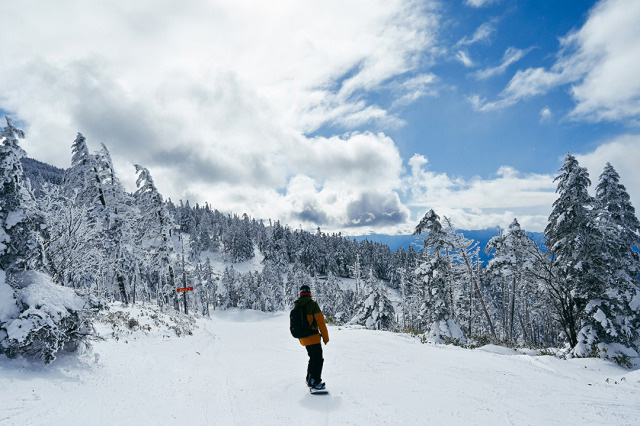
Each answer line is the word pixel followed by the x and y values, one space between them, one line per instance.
pixel 611 320
pixel 82 179
pixel 434 279
pixel 271 289
pixel 124 257
pixel 512 285
pixel 574 241
pixel 330 297
pixel 237 242
pixel 154 232
pixel 375 311
pixel 210 288
pixel 18 212
pixel 226 289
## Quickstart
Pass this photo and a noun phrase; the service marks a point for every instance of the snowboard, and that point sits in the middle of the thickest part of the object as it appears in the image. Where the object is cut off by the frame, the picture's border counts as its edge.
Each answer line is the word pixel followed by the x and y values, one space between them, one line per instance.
pixel 318 391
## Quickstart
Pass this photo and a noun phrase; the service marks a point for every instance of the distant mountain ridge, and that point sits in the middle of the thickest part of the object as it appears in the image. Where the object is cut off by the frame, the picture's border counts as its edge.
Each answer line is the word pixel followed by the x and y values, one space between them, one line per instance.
pixel 481 235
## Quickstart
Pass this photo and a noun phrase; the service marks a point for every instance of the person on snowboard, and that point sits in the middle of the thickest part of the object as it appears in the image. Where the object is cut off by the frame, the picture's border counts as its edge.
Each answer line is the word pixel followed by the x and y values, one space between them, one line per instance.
pixel 312 343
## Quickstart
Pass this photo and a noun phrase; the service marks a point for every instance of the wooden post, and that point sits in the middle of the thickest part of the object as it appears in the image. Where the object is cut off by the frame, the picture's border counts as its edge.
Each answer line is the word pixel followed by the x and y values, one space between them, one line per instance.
pixel 184 283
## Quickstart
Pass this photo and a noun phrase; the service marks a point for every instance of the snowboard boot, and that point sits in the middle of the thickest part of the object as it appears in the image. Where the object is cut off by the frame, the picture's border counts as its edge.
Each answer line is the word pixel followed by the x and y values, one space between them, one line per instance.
pixel 319 386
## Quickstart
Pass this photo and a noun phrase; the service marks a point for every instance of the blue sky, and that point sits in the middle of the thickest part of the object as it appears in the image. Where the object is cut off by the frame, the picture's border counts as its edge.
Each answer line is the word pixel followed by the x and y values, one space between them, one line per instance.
pixel 355 116
pixel 465 142
pixel 456 137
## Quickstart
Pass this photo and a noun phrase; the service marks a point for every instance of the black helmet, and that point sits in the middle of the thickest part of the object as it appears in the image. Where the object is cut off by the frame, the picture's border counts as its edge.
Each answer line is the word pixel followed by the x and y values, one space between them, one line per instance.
pixel 305 290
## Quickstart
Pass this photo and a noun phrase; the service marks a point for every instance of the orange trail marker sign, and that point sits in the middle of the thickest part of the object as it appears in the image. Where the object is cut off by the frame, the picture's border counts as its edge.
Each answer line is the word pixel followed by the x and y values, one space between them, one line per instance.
pixel 183 289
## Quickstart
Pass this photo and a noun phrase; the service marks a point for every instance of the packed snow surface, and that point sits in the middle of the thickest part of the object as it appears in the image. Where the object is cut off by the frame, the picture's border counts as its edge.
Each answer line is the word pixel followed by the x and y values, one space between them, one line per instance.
pixel 242 367
pixel 219 262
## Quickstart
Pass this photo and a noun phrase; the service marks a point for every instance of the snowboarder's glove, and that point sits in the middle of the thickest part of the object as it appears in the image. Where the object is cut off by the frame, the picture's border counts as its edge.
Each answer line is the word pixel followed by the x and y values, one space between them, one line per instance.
pixel 326 340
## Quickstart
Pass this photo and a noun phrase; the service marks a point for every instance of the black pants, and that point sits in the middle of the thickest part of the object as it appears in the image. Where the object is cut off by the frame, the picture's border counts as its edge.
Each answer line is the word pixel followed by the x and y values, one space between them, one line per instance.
pixel 314 370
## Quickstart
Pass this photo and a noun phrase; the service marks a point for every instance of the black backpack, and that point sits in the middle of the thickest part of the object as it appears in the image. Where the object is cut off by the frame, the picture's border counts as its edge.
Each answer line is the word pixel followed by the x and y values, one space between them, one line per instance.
pixel 299 324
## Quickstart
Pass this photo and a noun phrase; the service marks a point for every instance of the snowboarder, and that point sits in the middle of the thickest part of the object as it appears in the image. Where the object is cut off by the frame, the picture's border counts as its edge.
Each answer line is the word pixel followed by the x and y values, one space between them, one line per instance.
pixel 312 342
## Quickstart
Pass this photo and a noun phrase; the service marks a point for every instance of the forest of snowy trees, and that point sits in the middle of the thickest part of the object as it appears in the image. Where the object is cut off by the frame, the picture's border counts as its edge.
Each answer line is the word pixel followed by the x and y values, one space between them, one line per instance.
pixel 582 291
pixel 73 240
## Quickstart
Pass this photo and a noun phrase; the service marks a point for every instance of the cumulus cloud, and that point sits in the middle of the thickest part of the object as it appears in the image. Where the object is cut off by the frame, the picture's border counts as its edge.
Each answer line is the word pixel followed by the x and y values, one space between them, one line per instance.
pixel 599 61
pixel 508 189
pixel 375 209
pixel 623 153
pixel 478 203
pixel 494 201
pixel 217 98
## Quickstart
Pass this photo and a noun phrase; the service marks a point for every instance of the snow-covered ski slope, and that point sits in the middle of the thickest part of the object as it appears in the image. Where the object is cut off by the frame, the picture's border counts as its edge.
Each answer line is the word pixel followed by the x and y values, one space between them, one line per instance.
pixel 242 367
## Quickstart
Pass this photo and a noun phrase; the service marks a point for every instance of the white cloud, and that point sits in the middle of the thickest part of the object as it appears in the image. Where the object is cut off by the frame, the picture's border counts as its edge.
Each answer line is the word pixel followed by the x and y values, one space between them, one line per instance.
pixel 484 202
pixel 545 113
pixel 479 3
pixel 464 58
pixel 216 98
pixel 478 203
pixel 623 153
pixel 481 35
pixel 414 88
pixel 511 55
pixel 482 104
pixel 600 61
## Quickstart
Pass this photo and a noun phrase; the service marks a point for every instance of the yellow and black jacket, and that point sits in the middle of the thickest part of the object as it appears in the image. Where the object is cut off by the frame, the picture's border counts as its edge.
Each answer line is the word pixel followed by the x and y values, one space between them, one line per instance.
pixel 316 319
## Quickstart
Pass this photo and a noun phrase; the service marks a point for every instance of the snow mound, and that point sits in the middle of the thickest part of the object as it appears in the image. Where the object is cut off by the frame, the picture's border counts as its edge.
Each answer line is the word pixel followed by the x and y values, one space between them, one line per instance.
pixel 503 350
pixel 633 377
pixel 38 291
pixel 444 331
pixel 47 304
pixel 242 315
pixel 131 322
pixel 48 318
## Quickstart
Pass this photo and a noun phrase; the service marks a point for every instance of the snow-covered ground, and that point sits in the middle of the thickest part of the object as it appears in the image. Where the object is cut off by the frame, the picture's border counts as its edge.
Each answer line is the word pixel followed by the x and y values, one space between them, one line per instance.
pixel 219 263
pixel 242 367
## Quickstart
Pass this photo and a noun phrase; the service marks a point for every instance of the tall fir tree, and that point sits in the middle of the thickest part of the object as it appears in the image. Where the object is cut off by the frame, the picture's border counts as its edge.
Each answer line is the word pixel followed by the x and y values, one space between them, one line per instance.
pixel 573 239
pixel 19 217
pixel 434 278
pixel 82 179
pixel 154 234
pixel 614 326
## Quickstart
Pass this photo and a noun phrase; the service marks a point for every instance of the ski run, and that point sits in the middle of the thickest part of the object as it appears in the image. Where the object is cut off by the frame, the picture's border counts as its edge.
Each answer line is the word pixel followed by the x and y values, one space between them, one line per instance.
pixel 243 367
